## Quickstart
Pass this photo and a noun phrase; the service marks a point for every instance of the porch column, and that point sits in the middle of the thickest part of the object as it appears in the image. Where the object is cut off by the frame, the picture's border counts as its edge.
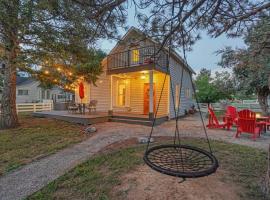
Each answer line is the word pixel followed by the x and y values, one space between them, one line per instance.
pixel 151 95
pixel 110 112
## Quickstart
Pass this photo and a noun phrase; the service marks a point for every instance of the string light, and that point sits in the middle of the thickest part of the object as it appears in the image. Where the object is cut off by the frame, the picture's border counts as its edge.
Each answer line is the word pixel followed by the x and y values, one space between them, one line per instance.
pixel 46 72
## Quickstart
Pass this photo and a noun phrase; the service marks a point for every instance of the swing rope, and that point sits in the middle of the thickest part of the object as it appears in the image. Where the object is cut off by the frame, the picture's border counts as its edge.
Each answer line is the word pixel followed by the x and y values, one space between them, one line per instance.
pixel 176 159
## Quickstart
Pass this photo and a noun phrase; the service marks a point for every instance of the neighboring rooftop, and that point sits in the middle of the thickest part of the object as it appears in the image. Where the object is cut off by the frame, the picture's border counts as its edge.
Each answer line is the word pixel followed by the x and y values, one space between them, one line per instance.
pixel 24 80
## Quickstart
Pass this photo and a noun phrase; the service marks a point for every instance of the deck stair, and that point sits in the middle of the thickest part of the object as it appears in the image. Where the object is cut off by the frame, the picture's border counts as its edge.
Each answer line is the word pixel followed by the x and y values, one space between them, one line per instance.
pixel 137 120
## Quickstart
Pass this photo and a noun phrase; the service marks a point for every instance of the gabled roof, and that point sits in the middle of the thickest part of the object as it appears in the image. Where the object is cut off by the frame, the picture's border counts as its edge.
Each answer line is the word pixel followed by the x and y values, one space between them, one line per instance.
pixel 174 53
pixel 24 80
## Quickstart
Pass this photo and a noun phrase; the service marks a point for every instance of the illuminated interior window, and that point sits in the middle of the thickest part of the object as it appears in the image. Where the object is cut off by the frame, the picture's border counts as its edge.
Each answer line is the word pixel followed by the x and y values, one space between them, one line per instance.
pixel 135 55
pixel 121 94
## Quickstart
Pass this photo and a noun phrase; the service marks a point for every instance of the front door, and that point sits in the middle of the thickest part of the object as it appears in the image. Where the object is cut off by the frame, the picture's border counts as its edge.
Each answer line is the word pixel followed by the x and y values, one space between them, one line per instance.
pixel 147 98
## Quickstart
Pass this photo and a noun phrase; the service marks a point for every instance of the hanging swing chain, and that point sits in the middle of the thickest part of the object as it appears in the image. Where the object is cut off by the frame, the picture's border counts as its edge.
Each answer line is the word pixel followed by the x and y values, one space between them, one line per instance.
pixel 178 110
pixel 155 114
pixel 203 124
pixel 173 99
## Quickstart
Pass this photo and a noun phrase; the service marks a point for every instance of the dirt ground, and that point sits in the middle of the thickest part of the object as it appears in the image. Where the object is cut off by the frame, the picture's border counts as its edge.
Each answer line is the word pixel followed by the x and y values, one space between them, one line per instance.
pixel 147 184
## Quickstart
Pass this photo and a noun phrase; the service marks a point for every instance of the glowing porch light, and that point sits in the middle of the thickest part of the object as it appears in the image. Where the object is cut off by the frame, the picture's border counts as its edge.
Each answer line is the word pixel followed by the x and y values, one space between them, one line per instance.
pixel 144 72
pixel 143 77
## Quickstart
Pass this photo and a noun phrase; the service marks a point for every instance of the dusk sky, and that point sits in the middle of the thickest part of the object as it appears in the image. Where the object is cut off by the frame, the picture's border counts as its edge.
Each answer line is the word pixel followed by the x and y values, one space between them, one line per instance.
pixel 203 53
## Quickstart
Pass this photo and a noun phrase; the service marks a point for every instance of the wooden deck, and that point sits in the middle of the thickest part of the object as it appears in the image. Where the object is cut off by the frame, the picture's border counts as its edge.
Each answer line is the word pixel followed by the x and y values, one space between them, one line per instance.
pixel 98 117
pixel 84 119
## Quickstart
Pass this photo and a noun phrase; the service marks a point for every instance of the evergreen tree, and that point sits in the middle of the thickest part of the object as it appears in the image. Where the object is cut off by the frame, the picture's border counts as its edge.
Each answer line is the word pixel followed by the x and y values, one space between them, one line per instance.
pixel 54 41
pixel 251 65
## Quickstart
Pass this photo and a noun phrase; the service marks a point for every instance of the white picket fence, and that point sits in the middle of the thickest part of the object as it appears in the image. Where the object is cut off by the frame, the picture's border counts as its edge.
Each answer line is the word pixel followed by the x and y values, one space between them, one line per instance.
pixel 240 106
pixel 33 107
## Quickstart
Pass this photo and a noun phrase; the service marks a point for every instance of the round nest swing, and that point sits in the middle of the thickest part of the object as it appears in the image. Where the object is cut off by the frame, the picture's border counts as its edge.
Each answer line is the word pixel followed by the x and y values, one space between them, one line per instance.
pixel 175 159
pixel 181 160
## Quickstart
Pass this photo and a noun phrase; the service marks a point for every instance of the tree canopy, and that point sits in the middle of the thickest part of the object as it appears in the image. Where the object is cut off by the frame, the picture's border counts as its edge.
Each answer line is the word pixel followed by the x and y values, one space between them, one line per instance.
pixel 251 65
pixel 53 41
pixel 212 89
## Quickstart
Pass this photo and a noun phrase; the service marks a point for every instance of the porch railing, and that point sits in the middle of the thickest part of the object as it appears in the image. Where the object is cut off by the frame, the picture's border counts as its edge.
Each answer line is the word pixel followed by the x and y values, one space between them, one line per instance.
pixel 137 57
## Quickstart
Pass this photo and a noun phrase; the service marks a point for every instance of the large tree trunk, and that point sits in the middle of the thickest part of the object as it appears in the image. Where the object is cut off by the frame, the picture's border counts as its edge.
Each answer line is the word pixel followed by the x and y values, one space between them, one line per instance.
pixel 9 118
pixel 263 100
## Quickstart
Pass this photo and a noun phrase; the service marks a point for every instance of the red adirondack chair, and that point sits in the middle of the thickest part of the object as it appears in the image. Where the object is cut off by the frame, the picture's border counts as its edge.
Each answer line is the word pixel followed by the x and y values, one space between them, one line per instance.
pixel 213 121
pixel 247 123
pixel 231 115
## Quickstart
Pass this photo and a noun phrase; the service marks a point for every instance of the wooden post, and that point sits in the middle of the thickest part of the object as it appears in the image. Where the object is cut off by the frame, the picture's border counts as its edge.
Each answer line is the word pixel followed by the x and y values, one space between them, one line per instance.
pixel 151 94
pixel 265 186
pixel 110 112
pixel 34 107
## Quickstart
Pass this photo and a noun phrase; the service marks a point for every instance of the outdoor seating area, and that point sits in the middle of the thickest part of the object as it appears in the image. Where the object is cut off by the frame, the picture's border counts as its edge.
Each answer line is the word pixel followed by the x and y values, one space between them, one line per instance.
pixel 244 121
pixel 80 108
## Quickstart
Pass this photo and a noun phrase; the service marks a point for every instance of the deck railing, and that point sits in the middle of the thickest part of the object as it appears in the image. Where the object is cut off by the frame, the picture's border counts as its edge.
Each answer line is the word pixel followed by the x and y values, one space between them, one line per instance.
pixel 137 57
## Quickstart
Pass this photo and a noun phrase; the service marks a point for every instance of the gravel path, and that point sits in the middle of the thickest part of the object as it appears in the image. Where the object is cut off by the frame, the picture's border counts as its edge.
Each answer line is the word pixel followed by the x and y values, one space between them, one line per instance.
pixel 31 178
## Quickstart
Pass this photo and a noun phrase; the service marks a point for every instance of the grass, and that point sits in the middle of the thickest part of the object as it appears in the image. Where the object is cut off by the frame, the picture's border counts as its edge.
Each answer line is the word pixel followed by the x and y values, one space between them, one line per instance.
pixel 95 179
pixel 35 138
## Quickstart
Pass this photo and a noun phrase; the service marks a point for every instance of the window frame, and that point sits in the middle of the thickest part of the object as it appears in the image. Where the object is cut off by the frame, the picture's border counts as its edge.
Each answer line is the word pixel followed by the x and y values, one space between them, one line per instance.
pixel 177 95
pixel 135 58
pixel 23 94
pixel 125 95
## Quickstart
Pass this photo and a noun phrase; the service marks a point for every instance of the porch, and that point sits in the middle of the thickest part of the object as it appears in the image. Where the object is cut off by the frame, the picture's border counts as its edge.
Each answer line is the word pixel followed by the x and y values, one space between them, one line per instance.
pixel 137 94
pixel 99 117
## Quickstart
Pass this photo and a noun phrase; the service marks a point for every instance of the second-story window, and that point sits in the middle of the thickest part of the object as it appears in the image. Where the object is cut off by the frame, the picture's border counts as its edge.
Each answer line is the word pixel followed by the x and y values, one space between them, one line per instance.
pixel 135 56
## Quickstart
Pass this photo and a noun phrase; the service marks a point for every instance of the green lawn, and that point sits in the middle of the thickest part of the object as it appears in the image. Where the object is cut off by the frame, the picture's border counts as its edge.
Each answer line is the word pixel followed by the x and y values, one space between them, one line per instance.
pixel 94 179
pixel 35 138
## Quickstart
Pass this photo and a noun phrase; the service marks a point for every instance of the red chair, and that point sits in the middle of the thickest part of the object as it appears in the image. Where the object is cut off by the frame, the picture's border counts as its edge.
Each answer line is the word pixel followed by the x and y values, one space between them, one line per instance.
pixel 247 123
pixel 213 121
pixel 231 116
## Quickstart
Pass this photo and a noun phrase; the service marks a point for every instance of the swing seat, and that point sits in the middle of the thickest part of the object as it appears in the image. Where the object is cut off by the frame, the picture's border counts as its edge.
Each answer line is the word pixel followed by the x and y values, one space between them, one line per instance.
pixel 181 160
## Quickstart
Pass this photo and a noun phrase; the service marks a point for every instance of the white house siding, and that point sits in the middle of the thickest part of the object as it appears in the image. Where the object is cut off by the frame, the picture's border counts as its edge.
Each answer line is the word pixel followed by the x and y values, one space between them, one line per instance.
pixel 158 80
pixel 102 92
pixel 135 38
pixel 33 93
pixel 185 102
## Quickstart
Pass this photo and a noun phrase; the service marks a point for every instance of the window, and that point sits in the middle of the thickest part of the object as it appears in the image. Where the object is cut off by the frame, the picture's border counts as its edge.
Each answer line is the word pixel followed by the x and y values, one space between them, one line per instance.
pixel 48 94
pixel 43 94
pixel 122 94
pixel 177 95
pixel 135 55
pixel 22 92
pixel 187 92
